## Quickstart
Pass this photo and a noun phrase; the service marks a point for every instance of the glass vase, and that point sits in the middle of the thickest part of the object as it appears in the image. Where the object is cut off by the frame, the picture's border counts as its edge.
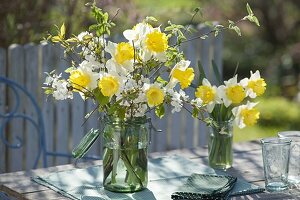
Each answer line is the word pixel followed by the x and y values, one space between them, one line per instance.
pixel 125 155
pixel 220 154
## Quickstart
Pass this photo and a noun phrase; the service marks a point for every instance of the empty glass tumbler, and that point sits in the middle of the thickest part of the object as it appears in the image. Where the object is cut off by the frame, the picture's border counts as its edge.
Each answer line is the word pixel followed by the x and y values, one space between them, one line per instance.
pixel 294 166
pixel 276 155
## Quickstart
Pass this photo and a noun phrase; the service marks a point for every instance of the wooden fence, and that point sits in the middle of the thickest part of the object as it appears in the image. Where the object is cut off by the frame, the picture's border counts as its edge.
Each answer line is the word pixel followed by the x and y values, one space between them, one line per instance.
pixel 63 119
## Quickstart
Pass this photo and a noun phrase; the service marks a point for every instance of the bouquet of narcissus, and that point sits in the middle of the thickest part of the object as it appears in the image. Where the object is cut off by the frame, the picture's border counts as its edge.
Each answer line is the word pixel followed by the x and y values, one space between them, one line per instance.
pixel 125 81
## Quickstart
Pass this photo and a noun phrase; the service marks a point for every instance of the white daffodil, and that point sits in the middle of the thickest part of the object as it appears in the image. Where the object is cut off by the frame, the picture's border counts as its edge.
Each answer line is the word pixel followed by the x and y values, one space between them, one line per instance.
pixel 154 45
pixel 208 94
pixel 83 79
pixel 110 84
pixel 255 86
pixel 137 33
pixel 122 57
pixel 91 63
pixel 232 92
pixel 245 115
pixel 154 93
pixel 181 73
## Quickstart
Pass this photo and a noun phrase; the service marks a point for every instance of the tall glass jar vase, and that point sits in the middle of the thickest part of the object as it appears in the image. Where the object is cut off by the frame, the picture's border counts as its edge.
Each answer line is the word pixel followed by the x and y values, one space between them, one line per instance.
pixel 220 145
pixel 125 155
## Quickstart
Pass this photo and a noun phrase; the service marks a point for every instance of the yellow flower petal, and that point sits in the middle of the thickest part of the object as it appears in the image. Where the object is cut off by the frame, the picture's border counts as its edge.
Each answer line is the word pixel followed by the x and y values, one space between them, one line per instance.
pixel 258 86
pixel 205 93
pixel 109 85
pixel 250 116
pixel 124 52
pixel 155 96
pixel 184 77
pixel 79 80
pixel 157 41
pixel 236 94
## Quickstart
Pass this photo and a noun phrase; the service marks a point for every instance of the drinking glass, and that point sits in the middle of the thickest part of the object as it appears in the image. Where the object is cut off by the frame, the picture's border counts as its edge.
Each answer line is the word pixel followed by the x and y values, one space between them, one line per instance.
pixel 294 166
pixel 276 155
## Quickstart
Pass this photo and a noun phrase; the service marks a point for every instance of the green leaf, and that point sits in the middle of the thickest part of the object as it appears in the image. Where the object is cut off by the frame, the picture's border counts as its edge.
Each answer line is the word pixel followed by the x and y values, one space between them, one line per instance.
pixel 231 22
pixel 237 30
pixel 93 27
pixel 159 79
pixel 55 39
pixel 73 39
pixel 105 17
pixel 151 18
pixel 217 72
pixel 102 100
pixel 195 112
pixel 254 20
pixel 68 70
pixel 121 113
pixel 160 111
pixel 62 30
pixel 201 72
pixel 249 10
pixel 48 91
pixel 87 38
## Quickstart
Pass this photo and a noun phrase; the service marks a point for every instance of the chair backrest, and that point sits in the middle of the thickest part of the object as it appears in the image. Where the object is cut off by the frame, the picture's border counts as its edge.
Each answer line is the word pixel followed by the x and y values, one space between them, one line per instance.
pixel 12 112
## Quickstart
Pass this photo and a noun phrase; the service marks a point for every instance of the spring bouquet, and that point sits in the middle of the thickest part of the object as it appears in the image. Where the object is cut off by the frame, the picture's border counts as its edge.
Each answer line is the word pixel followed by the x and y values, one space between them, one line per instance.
pixel 143 74
pixel 230 101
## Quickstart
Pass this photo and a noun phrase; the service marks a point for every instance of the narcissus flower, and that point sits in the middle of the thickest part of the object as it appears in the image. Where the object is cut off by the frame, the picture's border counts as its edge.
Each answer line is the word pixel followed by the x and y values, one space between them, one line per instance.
pixel 232 92
pixel 155 45
pixel 255 86
pixel 122 57
pixel 155 95
pixel 208 94
pixel 109 85
pixel 181 73
pixel 246 115
pixel 137 33
pixel 83 78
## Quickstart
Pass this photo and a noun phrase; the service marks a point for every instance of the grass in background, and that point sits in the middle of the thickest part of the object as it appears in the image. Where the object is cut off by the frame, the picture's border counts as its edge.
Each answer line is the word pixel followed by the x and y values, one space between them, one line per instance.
pixel 254 133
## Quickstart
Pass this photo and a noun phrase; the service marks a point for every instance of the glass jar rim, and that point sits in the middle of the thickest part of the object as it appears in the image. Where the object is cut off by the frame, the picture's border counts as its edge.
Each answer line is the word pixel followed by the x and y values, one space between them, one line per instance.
pixel 276 141
pixel 134 120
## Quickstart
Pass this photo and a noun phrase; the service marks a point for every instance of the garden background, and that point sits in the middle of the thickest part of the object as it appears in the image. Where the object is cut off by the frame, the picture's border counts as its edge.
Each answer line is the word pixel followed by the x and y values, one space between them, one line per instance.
pixel 273 48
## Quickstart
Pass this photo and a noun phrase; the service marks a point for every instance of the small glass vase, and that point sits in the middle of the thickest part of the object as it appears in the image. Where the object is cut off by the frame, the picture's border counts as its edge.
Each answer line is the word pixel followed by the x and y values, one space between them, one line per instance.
pixel 220 154
pixel 125 155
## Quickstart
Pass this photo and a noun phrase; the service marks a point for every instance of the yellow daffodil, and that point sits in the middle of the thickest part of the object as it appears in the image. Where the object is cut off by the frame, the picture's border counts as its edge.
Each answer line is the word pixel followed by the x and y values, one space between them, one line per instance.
pixel 155 95
pixel 124 52
pixel 109 85
pixel 122 56
pixel 155 45
pixel 156 41
pixel 83 78
pixel 181 73
pixel 246 115
pixel 255 86
pixel 137 33
pixel 232 92
pixel 208 95
pixel 184 77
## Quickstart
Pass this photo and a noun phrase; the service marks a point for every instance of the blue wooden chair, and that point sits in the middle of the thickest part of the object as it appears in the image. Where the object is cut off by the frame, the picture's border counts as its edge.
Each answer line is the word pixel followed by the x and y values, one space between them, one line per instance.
pixel 15 113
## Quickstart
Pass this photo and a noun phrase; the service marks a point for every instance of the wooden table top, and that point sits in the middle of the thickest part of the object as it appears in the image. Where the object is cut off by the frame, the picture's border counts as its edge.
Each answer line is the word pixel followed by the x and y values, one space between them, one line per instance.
pixel 247 165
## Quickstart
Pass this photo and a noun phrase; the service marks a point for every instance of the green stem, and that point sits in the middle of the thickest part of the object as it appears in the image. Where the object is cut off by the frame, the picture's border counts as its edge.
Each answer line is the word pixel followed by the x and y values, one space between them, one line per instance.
pixel 130 168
